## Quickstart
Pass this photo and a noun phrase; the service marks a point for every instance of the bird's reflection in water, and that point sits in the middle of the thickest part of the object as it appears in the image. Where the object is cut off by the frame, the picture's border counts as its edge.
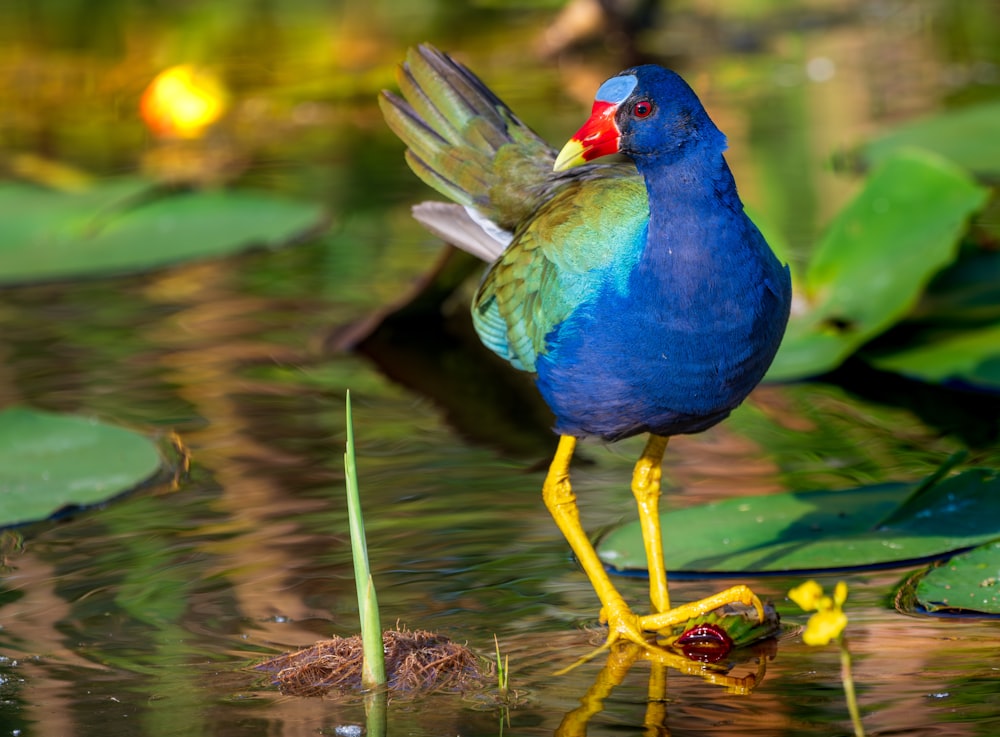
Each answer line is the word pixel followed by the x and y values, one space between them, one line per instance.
pixel 721 671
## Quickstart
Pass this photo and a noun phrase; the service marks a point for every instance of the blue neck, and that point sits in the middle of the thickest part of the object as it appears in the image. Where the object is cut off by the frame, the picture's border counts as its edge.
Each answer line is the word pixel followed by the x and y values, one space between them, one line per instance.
pixel 691 202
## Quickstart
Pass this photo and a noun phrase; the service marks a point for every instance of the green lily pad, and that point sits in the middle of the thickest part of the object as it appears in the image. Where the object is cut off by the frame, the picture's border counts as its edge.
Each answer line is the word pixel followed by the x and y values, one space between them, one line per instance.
pixel 886 524
pixel 50 463
pixel 875 259
pixel 967 136
pixel 129 225
pixel 968 582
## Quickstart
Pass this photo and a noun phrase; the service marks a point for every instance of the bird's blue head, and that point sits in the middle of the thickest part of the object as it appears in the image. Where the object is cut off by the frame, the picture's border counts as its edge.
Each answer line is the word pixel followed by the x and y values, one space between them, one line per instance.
pixel 646 111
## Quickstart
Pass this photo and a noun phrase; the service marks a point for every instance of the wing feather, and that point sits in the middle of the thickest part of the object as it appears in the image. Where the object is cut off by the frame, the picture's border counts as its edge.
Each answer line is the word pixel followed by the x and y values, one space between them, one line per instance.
pixel 586 239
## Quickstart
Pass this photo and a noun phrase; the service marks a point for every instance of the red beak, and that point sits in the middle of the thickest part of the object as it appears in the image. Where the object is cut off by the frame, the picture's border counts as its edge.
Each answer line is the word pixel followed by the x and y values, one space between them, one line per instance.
pixel 598 137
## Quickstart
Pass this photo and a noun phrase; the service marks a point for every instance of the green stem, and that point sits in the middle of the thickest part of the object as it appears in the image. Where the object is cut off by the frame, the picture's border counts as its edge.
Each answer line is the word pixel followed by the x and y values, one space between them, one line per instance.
pixel 376 719
pixel 847 677
pixel 373 666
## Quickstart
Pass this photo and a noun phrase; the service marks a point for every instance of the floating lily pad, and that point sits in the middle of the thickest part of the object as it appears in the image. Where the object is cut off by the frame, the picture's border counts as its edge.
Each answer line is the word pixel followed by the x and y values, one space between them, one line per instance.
pixel 129 225
pixel 969 582
pixel 876 258
pixel 886 524
pixel 50 463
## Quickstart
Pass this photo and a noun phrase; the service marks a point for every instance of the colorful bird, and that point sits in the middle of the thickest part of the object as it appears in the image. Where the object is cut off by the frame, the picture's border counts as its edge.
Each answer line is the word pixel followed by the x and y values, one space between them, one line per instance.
pixel 641 297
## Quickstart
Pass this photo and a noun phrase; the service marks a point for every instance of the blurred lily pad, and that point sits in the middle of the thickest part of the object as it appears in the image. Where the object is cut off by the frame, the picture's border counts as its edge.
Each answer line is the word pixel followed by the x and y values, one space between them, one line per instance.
pixel 886 524
pixel 50 463
pixel 128 225
pixel 967 136
pixel 876 258
pixel 969 582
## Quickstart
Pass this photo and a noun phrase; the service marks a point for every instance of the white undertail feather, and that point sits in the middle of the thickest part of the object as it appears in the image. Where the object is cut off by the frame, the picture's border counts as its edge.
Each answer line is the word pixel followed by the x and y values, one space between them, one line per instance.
pixel 464 228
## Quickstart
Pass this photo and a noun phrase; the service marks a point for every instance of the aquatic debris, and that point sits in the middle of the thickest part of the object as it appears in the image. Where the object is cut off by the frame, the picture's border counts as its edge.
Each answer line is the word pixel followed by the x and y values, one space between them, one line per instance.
pixel 708 643
pixel 416 662
pixel 734 625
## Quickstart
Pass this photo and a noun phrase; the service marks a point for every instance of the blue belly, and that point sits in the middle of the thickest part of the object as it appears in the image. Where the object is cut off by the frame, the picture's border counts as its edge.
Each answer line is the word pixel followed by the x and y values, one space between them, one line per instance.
pixel 672 365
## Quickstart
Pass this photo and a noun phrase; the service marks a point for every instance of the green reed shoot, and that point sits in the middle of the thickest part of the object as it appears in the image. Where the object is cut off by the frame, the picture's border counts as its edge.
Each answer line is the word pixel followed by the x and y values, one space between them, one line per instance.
pixel 503 672
pixel 373 668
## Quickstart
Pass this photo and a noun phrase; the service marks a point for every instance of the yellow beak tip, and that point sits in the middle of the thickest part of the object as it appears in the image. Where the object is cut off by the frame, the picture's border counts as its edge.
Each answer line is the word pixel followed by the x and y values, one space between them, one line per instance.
pixel 570 156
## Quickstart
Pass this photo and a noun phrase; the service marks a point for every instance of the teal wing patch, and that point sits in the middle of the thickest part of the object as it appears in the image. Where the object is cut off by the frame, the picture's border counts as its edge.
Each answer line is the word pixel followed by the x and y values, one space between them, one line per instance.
pixel 586 238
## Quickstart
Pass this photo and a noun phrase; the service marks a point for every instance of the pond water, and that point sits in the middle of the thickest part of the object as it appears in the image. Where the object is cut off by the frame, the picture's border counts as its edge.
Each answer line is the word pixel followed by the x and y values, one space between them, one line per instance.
pixel 139 618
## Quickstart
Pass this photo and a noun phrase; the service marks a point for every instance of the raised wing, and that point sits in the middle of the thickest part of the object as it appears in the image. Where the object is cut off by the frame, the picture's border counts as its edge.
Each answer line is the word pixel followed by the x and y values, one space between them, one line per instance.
pixel 586 239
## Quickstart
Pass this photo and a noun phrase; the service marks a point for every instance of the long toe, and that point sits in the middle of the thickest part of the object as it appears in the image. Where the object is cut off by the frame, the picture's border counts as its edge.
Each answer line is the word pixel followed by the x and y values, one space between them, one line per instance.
pixel 664 621
pixel 626 626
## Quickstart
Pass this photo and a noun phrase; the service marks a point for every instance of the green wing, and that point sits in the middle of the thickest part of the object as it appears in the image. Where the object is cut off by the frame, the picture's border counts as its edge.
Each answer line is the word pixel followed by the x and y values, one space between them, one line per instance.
pixel 466 143
pixel 587 237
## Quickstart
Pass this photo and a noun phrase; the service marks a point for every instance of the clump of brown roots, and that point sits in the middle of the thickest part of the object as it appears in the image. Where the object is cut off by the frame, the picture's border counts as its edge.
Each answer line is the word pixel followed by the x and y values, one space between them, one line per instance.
pixel 416 662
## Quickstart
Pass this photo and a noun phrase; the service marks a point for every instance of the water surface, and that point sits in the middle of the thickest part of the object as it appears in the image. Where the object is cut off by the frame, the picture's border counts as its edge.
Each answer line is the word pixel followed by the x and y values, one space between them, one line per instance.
pixel 139 618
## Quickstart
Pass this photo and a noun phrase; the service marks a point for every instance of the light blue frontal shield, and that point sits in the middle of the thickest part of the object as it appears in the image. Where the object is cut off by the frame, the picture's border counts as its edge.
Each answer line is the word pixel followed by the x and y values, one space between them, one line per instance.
pixel 616 89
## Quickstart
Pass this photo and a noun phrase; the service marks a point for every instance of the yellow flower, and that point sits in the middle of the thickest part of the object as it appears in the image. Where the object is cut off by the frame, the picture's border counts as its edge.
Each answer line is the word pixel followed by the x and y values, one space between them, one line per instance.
pixel 807 595
pixel 183 101
pixel 824 626
pixel 829 620
pixel 840 594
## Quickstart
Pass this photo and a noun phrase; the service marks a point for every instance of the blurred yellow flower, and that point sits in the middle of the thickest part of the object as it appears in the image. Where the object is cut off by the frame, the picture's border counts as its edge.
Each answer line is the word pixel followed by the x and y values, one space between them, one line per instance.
pixel 823 626
pixel 807 595
pixel 828 624
pixel 840 593
pixel 829 620
pixel 182 101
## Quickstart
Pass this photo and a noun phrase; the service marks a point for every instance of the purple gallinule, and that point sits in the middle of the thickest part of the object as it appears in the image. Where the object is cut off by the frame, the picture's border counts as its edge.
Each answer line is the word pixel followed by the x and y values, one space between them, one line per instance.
pixel 640 295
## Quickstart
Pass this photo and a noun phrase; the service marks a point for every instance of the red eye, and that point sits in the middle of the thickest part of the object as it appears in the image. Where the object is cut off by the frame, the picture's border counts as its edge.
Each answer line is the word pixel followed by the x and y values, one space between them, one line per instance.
pixel 642 109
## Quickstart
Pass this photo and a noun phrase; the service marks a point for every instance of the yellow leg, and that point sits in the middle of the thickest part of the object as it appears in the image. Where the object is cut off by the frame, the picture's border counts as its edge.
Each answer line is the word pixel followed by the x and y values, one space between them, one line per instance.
pixel 622 623
pixel 655 723
pixel 620 660
pixel 646 489
pixel 561 503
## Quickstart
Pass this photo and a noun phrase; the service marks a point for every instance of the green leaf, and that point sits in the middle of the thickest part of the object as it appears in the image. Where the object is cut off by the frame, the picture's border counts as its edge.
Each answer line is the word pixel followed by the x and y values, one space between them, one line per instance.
pixel 969 356
pixel 966 294
pixel 128 225
pixel 50 462
pixel 875 259
pixel 967 136
pixel 816 530
pixel 969 582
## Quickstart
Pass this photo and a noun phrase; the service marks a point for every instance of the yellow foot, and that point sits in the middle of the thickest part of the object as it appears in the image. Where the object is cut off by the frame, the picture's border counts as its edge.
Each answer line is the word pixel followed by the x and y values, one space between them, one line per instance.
pixel 624 627
pixel 678 615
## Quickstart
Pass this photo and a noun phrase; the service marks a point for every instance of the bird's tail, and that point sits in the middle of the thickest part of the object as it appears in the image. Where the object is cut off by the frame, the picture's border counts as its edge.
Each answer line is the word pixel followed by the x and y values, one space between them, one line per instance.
pixel 463 141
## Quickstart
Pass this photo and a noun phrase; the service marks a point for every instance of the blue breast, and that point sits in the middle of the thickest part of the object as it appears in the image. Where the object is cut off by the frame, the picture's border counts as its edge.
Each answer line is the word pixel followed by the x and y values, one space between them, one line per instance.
pixel 677 351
